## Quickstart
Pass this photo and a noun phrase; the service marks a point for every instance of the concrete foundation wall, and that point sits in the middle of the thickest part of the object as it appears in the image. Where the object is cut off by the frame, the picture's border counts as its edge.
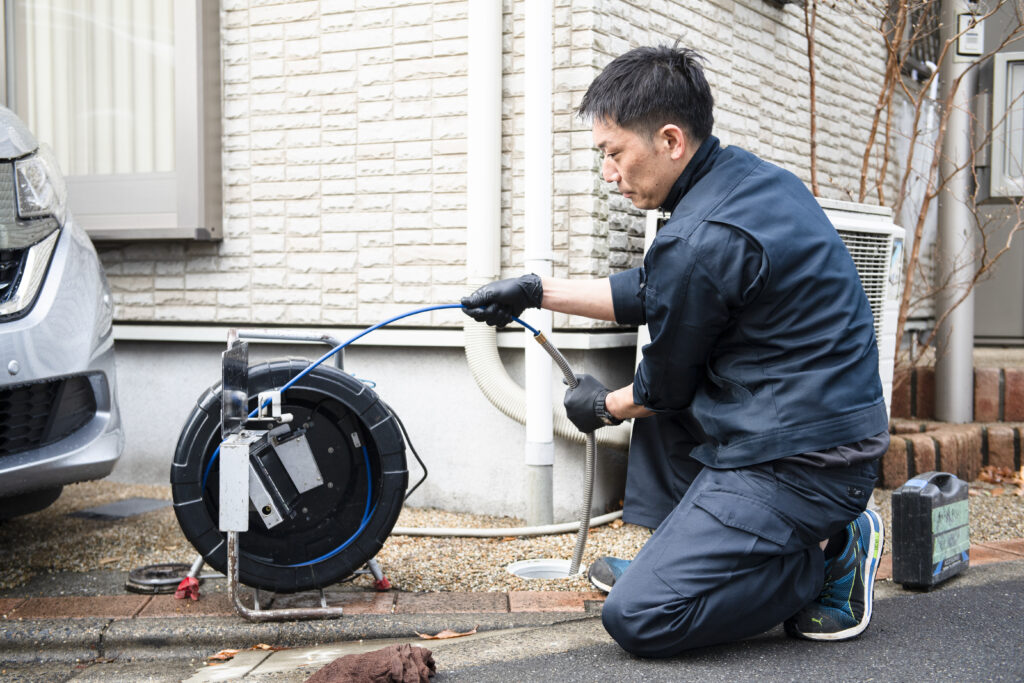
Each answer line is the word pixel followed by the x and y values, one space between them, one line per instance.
pixel 474 453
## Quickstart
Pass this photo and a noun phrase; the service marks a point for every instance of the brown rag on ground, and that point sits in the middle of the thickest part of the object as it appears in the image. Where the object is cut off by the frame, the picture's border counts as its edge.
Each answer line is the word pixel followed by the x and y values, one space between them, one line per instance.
pixel 400 663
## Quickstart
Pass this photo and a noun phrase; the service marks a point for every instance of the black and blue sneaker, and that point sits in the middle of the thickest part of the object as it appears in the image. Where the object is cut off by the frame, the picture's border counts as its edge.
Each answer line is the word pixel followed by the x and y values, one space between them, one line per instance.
pixel 843 609
pixel 605 571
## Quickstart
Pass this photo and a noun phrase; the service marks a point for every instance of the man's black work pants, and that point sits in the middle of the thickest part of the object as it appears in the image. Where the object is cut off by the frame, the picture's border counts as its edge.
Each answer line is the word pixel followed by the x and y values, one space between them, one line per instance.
pixel 735 551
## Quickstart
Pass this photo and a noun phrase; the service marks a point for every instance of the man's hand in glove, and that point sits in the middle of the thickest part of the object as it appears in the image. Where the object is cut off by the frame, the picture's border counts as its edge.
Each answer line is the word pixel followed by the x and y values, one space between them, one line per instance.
pixel 498 302
pixel 585 407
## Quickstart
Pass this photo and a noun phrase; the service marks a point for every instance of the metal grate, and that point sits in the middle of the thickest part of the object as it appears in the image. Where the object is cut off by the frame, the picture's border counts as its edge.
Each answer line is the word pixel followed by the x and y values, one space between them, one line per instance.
pixel 10 271
pixel 924 41
pixel 41 413
pixel 870 252
pixel 8 202
pixel 921 44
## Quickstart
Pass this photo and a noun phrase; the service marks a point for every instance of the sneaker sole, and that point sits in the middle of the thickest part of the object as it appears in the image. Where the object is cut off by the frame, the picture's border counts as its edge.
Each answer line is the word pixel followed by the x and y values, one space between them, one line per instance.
pixel 599 585
pixel 875 543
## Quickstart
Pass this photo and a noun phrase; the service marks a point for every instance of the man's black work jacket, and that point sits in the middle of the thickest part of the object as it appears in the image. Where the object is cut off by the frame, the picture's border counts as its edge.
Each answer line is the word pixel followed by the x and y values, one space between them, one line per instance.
pixel 761 333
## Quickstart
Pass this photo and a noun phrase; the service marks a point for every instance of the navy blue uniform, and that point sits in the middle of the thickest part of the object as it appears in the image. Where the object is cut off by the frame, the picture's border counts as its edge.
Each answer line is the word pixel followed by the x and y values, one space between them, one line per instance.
pixel 763 374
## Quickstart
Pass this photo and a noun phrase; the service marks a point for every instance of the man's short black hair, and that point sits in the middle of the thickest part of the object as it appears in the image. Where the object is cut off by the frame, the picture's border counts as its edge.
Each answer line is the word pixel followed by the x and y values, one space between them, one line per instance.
pixel 649 87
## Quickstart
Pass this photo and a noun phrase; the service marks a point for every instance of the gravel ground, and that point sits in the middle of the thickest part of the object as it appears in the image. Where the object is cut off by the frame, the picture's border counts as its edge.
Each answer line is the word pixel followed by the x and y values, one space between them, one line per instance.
pixel 51 541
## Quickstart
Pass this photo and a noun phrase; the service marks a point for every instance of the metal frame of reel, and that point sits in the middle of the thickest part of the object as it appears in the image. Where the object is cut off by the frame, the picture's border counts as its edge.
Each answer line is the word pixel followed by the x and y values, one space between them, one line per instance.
pixel 235 489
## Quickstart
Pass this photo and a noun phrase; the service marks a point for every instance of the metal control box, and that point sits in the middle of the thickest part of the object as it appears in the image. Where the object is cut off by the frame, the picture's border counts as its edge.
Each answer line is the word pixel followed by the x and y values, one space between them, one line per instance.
pixel 931 535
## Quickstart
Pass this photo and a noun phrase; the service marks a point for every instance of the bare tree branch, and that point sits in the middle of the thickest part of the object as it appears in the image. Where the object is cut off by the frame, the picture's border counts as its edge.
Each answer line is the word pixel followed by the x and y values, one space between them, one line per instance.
pixel 905 27
pixel 810 18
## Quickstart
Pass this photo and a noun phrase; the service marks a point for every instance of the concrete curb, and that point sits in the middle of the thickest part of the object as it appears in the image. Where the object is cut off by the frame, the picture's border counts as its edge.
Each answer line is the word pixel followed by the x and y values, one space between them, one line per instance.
pixel 70 628
pixel 79 640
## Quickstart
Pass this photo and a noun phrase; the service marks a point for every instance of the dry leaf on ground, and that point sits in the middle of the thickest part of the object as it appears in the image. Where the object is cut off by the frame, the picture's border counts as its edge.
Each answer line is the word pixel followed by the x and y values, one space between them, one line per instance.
pixel 1001 475
pixel 447 633
pixel 223 655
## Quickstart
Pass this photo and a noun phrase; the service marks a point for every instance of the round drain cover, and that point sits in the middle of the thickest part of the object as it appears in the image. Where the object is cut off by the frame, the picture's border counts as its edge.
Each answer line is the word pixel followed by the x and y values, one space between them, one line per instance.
pixel 156 578
pixel 542 569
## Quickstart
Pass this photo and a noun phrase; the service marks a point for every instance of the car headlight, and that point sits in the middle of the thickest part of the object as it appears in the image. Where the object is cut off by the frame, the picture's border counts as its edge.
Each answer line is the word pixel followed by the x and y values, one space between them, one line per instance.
pixel 33 207
pixel 40 187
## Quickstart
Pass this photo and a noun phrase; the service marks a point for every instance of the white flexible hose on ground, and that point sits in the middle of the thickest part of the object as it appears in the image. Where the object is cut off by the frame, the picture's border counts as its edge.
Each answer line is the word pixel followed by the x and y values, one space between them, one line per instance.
pixel 502 532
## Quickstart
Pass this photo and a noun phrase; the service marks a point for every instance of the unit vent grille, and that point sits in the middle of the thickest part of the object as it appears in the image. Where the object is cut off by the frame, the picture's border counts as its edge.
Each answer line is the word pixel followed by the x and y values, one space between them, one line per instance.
pixel 870 252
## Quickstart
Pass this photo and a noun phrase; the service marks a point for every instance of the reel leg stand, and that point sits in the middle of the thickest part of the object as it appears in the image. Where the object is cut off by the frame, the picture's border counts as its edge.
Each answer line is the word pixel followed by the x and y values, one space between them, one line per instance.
pixel 256 613
pixel 380 582
pixel 235 484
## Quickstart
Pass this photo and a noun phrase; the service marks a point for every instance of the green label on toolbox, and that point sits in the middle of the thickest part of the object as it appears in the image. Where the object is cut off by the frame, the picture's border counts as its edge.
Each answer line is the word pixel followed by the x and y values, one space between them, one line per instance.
pixel 951 543
pixel 949 517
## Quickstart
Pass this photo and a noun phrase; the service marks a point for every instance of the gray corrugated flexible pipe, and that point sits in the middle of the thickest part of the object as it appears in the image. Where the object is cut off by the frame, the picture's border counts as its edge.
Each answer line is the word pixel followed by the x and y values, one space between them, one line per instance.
pixel 510 398
pixel 591 457
pixel 585 520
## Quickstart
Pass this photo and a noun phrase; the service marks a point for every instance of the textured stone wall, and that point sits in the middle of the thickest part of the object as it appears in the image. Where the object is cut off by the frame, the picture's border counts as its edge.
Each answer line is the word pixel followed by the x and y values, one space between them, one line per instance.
pixel 344 149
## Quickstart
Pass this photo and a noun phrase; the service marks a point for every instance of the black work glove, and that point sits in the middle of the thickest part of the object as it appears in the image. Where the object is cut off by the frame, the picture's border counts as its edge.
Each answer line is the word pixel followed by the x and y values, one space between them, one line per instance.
pixel 585 407
pixel 498 302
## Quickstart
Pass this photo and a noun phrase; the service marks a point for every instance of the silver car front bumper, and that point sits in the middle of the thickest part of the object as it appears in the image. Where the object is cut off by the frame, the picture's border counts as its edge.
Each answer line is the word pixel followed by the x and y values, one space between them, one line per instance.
pixel 67 334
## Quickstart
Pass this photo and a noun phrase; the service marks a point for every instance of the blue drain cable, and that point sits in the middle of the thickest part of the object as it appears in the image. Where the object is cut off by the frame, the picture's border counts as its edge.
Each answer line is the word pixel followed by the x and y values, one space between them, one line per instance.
pixel 368 510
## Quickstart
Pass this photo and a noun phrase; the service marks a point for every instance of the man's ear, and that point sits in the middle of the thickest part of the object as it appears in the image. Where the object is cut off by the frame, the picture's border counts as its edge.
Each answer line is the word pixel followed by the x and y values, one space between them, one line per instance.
pixel 675 139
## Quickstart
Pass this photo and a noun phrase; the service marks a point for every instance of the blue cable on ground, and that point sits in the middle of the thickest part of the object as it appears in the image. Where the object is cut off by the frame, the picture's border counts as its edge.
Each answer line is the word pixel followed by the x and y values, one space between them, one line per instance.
pixel 368 511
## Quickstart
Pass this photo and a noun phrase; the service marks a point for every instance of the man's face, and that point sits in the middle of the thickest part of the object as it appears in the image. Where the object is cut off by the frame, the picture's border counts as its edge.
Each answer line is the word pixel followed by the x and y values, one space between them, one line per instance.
pixel 644 170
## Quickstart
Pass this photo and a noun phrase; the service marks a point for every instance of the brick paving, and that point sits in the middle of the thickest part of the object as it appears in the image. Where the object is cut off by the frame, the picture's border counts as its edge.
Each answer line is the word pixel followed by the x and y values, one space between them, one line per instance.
pixel 451 603
pixel 76 606
pixel 541 601
pixel 8 605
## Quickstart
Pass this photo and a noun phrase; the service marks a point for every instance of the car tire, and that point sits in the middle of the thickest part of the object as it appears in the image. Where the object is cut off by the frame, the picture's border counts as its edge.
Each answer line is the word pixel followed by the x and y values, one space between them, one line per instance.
pixel 27 503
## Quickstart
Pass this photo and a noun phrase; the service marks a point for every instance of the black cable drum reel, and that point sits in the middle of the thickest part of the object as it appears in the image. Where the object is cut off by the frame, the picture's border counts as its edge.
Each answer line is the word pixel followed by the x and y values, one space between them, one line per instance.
pixel 308 534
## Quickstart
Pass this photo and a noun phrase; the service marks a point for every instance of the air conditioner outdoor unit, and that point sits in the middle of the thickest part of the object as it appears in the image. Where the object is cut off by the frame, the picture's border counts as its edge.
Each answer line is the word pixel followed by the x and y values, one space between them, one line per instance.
pixel 876 244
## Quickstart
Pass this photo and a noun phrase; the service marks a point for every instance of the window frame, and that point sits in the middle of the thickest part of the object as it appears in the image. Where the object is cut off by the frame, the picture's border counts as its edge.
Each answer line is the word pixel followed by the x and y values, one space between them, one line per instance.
pixel 1002 185
pixel 182 204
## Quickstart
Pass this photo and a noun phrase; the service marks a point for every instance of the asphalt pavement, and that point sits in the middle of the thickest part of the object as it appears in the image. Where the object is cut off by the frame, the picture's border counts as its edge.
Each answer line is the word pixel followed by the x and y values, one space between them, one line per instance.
pixel 967 631
pixel 970 628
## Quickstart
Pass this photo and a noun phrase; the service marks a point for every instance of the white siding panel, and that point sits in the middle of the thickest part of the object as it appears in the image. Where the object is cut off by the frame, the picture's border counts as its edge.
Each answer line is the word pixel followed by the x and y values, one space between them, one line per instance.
pixel 344 136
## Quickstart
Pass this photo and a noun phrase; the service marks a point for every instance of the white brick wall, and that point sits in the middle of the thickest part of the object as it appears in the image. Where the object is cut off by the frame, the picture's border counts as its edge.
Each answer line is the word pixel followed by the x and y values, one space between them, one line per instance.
pixel 344 148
